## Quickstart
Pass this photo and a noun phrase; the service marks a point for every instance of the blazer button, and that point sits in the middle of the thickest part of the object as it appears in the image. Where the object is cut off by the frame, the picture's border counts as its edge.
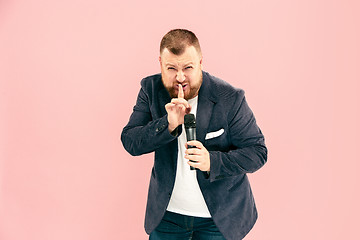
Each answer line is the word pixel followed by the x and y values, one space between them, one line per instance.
pixel 160 128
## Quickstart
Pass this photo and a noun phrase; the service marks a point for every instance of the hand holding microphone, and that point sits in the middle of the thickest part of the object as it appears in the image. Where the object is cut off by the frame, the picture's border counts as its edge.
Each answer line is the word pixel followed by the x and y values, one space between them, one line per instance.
pixel 197 154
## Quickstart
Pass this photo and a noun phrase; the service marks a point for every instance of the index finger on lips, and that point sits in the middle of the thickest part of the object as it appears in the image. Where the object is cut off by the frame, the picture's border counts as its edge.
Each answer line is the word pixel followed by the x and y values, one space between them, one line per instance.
pixel 181 92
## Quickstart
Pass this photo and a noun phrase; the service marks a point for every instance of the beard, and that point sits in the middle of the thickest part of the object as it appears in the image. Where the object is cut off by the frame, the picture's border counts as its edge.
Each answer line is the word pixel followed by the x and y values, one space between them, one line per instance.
pixel 194 88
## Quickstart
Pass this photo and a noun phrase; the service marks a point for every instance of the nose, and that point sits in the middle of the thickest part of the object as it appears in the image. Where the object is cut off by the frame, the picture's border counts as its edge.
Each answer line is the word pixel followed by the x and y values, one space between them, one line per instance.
pixel 180 76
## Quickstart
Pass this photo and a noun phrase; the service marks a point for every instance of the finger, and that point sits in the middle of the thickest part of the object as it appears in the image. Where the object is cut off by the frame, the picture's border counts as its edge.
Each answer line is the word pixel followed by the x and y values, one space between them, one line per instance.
pixel 169 105
pixel 187 109
pixel 181 101
pixel 194 143
pixel 194 164
pixel 193 151
pixel 181 92
pixel 180 108
pixel 199 166
pixel 194 158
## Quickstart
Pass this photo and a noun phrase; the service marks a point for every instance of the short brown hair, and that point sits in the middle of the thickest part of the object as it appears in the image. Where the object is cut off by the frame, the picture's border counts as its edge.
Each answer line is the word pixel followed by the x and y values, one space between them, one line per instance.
pixel 177 40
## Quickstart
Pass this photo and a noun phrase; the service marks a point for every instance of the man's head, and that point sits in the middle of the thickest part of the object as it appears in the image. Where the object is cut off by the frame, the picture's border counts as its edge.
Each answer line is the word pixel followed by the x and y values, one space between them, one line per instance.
pixel 181 62
pixel 177 40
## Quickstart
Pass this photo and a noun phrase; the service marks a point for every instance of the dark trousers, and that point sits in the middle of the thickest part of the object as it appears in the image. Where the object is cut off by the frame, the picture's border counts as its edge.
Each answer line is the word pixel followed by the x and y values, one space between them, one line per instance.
pixel 175 226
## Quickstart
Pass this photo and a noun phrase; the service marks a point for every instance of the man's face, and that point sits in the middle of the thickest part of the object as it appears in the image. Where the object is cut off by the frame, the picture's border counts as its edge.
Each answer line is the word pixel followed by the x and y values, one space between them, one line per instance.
pixel 184 69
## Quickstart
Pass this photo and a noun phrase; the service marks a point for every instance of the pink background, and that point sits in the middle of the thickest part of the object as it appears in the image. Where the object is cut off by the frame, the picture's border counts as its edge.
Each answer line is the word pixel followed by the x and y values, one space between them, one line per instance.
pixel 69 77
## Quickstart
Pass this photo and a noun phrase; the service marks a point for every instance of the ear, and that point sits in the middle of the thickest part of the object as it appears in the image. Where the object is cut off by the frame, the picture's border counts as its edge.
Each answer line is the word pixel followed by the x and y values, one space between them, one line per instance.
pixel 201 61
pixel 160 60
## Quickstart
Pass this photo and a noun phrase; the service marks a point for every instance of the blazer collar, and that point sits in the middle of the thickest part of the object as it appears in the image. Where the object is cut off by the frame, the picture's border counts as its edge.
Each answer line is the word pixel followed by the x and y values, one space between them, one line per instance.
pixel 206 102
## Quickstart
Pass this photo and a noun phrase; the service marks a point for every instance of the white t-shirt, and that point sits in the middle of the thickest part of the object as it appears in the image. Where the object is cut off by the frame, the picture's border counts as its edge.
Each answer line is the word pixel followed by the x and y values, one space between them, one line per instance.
pixel 186 197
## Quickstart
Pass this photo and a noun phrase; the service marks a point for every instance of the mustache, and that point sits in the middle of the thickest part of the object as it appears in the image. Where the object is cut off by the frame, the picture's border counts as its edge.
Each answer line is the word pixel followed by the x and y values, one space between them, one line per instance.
pixel 182 83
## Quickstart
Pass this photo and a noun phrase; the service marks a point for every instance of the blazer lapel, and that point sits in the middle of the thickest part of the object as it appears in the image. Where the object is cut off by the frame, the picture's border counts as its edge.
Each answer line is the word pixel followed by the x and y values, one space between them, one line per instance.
pixel 164 98
pixel 205 107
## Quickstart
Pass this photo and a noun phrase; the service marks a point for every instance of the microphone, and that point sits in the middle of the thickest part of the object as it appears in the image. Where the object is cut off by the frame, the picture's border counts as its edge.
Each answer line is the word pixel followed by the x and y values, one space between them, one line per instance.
pixel 190 128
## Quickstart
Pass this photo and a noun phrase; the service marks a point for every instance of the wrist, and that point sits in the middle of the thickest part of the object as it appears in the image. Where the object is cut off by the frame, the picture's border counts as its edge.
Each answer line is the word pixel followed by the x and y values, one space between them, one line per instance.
pixel 171 128
pixel 174 132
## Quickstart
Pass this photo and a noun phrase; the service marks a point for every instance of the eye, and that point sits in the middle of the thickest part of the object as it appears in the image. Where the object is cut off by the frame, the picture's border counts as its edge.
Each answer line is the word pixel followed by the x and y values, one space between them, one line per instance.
pixel 171 68
pixel 189 67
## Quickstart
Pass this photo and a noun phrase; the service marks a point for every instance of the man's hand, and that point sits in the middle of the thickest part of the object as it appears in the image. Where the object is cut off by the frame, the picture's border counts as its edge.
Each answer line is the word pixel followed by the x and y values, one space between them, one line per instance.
pixel 199 154
pixel 176 110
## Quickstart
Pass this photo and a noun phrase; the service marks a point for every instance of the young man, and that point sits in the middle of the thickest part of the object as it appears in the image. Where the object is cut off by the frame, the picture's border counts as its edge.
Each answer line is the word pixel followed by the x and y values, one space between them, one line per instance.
pixel 215 200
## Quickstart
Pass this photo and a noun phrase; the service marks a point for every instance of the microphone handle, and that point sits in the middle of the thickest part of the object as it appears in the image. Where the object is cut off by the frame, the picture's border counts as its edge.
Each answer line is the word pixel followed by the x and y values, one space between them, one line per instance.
pixel 190 136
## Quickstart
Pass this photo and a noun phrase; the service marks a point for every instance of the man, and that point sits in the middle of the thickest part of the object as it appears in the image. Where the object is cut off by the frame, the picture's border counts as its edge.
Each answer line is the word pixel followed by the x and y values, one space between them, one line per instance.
pixel 215 200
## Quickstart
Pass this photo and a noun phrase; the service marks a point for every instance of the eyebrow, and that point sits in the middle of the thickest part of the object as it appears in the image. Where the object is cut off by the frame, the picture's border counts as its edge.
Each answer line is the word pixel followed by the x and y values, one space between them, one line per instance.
pixel 174 65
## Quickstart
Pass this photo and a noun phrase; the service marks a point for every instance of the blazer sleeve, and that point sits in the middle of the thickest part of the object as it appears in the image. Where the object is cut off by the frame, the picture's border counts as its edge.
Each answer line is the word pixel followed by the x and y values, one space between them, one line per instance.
pixel 248 152
pixel 143 134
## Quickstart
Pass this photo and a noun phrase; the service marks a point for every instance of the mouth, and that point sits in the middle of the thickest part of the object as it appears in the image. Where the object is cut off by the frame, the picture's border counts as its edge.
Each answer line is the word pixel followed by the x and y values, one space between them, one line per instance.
pixel 184 86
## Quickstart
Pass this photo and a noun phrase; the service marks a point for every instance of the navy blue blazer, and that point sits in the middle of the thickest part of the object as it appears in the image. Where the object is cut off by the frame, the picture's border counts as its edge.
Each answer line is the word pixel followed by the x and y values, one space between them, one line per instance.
pixel 239 150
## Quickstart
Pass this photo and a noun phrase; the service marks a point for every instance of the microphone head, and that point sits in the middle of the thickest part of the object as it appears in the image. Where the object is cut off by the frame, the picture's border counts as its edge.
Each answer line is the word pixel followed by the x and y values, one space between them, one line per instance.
pixel 189 121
